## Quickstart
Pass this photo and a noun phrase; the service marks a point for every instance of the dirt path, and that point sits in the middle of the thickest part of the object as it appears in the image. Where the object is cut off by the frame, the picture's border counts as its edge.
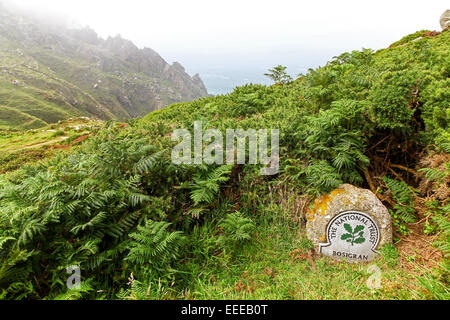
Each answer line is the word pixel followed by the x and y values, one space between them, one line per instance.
pixel 18 148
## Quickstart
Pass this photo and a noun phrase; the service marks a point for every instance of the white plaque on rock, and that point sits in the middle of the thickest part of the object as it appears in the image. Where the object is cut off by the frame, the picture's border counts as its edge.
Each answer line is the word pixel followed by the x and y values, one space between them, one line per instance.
pixel 352 236
pixel 349 224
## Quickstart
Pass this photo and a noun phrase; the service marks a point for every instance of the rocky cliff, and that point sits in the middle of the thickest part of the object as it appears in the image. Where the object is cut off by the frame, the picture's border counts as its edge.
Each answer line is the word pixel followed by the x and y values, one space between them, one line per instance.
pixel 49 72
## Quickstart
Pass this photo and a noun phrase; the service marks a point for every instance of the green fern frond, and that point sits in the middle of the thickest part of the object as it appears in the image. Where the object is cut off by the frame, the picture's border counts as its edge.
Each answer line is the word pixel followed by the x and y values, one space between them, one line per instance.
pixel 237 228
pixel 153 244
pixel 204 189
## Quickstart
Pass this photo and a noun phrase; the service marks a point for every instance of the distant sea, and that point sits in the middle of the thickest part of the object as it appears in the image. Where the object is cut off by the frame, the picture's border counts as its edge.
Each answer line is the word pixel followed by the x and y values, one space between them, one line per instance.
pixel 224 81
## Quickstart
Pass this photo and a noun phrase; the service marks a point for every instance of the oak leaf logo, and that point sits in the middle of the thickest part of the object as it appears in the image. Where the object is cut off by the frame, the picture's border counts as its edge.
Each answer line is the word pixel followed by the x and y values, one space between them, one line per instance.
pixel 353 236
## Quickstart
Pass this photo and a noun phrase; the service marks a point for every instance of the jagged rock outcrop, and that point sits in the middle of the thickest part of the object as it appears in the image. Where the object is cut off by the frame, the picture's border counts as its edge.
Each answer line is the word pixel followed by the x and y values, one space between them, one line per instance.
pixel 445 20
pixel 74 72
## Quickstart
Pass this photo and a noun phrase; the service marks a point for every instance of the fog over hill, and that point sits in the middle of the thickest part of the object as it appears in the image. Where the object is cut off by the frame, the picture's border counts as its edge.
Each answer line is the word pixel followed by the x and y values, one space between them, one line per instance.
pixel 235 42
pixel 50 71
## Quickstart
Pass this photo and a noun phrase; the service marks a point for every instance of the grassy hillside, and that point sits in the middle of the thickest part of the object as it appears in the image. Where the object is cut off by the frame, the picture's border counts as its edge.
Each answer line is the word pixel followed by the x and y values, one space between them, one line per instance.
pixel 19 148
pixel 10 117
pixel 141 227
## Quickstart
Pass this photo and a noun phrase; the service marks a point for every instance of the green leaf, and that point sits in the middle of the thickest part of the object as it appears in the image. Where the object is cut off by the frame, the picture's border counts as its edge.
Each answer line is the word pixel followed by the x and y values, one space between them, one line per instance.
pixel 346 236
pixel 360 240
pixel 358 228
pixel 348 228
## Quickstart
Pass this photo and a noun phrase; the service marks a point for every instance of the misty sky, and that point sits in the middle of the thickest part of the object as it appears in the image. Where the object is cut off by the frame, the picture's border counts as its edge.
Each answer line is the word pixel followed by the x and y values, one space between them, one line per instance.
pixel 245 37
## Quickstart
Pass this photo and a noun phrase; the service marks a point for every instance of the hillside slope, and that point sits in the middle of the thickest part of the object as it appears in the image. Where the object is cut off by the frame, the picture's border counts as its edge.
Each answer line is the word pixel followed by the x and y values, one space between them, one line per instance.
pixel 140 226
pixel 49 72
